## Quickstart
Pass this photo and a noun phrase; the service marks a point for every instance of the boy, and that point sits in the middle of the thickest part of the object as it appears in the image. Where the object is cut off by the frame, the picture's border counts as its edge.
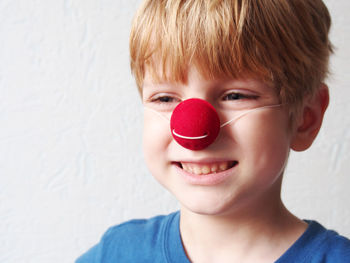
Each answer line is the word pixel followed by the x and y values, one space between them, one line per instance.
pixel 260 64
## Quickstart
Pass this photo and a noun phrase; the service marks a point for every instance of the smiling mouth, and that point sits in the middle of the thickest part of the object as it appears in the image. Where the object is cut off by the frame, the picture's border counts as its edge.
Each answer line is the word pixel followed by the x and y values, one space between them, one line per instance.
pixel 208 168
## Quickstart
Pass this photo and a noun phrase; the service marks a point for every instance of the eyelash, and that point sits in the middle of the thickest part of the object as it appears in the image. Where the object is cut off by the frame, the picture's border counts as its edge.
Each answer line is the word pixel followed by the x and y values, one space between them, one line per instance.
pixel 163 99
pixel 239 96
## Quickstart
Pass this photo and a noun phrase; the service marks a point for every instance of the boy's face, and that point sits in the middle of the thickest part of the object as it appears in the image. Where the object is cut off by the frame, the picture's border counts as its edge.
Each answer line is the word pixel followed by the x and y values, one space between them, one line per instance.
pixel 243 166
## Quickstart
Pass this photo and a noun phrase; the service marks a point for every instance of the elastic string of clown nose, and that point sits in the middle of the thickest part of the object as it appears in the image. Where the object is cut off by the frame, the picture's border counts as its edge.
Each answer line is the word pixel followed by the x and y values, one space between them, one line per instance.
pixel 158 113
pixel 248 111
pixel 195 123
pixel 222 125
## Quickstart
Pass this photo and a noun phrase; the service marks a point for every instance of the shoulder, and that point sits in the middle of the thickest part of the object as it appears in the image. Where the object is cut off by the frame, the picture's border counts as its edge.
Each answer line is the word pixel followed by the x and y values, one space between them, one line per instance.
pixel 334 247
pixel 317 245
pixel 138 231
pixel 131 240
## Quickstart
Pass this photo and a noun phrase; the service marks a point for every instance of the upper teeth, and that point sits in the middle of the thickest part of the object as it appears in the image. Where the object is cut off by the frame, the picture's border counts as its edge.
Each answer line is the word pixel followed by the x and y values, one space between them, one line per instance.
pixel 199 169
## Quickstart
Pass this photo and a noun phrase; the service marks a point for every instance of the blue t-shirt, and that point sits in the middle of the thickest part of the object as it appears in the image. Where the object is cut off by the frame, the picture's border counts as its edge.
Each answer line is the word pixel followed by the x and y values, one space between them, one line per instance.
pixel 158 240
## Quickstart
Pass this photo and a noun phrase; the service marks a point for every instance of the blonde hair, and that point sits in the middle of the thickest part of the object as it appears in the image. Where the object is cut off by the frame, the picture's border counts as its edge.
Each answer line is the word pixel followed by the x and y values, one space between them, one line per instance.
pixel 282 42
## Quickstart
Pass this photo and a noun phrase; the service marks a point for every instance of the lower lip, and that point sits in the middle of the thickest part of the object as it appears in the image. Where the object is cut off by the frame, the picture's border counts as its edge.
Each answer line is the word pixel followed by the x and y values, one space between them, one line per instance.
pixel 207 179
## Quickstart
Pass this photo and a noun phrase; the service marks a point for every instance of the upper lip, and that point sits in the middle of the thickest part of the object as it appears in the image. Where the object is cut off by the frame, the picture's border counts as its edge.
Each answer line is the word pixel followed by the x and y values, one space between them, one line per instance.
pixel 204 160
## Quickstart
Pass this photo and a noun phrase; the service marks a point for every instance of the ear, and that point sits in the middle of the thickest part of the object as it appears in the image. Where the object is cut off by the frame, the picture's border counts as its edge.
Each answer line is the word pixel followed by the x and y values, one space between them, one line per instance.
pixel 310 120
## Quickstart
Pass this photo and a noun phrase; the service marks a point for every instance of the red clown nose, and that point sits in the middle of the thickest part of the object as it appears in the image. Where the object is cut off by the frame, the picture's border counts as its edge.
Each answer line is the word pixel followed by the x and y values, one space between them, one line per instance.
pixel 195 124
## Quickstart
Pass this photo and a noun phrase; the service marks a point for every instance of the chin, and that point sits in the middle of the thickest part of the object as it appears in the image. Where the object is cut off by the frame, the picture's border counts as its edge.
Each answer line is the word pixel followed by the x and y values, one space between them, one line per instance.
pixel 209 207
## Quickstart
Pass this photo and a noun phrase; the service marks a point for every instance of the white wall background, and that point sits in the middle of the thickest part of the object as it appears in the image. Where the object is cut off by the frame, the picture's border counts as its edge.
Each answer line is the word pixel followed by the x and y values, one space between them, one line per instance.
pixel 70 131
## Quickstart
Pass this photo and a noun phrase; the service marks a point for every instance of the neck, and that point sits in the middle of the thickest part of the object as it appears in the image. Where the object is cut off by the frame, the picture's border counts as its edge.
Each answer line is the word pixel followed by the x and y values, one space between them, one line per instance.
pixel 241 234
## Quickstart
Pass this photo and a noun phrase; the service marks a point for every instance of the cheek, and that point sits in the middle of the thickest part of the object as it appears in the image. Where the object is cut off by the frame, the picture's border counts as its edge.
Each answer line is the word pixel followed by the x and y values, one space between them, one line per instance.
pixel 265 144
pixel 156 138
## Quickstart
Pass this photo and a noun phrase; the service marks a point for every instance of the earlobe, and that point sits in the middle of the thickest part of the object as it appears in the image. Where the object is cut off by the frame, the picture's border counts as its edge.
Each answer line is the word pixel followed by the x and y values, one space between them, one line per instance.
pixel 310 120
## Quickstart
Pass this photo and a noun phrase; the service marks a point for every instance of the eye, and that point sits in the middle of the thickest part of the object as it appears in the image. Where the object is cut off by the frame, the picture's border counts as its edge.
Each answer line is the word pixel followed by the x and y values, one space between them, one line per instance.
pixel 164 99
pixel 163 102
pixel 239 96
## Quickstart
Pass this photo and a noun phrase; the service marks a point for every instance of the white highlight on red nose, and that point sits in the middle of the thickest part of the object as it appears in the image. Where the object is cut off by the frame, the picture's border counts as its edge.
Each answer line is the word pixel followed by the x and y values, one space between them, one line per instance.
pixel 187 137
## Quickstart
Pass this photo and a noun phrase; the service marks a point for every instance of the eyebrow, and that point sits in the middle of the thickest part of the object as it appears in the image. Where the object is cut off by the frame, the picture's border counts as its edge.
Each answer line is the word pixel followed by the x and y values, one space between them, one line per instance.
pixel 250 83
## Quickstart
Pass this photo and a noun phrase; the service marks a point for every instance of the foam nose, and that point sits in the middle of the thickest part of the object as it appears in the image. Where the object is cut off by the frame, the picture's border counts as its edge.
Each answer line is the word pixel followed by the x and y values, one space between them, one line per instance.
pixel 194 124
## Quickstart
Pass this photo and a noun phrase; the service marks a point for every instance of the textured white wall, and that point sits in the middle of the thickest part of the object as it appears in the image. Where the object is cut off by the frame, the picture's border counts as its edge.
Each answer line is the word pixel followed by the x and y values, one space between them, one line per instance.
pixel 70 139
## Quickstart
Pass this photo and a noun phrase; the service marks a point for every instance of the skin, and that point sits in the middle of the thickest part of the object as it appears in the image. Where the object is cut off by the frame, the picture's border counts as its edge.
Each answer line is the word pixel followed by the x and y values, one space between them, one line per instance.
pixel 241 218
